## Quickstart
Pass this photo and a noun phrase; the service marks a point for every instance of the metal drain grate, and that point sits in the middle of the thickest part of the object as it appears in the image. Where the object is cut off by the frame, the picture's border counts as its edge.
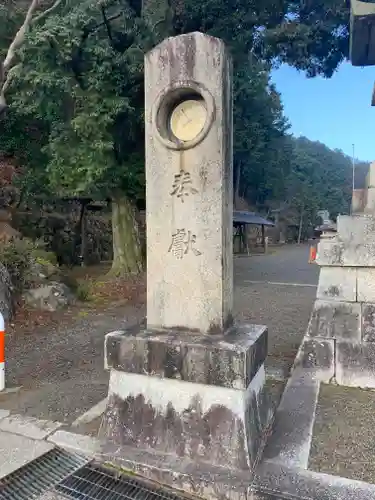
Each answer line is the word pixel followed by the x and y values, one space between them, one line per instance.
pixel 41 474
pixel 93 482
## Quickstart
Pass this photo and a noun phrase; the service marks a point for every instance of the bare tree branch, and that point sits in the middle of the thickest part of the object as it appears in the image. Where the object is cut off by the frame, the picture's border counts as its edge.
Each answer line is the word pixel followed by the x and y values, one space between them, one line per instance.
pixel 47 12
pixel 4 84
pixel 7 67
pixel 3 103
pixel 20 36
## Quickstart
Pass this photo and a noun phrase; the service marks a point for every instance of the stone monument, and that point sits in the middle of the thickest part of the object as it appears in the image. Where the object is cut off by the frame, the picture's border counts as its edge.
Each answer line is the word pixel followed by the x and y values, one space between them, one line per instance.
pixel 186 403
pixel 340 341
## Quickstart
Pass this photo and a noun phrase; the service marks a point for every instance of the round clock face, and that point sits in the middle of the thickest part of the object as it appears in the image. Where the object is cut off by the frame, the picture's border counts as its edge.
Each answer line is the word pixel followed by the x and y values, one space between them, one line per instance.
pixel 188 119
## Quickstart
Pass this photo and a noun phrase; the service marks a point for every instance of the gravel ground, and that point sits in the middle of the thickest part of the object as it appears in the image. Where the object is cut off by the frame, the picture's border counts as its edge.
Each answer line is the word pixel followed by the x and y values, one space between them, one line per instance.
pixel 61 368
pixel 344 433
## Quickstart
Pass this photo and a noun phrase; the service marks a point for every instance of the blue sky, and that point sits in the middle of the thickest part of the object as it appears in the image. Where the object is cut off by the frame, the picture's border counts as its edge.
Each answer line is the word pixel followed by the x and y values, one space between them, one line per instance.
pixel 334 111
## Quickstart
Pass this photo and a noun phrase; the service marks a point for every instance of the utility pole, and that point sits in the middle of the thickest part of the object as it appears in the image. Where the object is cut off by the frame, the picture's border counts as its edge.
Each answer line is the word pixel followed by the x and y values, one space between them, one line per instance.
pixel 353 180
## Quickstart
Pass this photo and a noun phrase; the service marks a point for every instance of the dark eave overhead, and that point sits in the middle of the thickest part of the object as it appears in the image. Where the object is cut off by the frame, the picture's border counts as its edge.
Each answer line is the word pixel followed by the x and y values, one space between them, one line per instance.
pixel 242 217
pixel 362 33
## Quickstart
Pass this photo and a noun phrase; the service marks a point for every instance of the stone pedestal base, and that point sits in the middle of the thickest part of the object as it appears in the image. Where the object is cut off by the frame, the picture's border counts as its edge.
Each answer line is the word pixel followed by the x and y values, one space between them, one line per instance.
pixel 187 396
pixel 339 344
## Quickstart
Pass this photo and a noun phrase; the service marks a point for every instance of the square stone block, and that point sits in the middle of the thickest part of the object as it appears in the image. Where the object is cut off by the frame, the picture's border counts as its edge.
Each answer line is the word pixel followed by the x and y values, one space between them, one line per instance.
pixel 353 246
pixel 337 320
pixel 330 252
pixel 338 283
pixel 356 229
pixel 229 360
pixel 360 255
pixel 355 364
pixel 366 284
pixel 317 357
pixel 368 322
pixel 209 424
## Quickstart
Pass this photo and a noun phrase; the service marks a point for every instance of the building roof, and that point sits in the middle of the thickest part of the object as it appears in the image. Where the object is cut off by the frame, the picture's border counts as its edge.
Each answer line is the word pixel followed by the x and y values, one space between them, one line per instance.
pixel 241 217
pixel 326 227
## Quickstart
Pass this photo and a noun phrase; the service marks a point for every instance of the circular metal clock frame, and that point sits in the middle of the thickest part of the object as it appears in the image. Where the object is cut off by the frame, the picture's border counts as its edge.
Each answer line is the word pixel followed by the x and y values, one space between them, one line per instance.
pixel 168 100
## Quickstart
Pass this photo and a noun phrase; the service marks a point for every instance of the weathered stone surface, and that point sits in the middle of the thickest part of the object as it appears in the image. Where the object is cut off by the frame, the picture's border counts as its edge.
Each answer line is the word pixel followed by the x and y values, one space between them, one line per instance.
pixel 16 451
pixel 28 426
pixel 157 403
pixel 355 364
pixel 317 357
pixel 51 297
pixel 337 283
pixel 282 482
pixel 356 253
pixel 330 252
pixel 221 426
pixel 79 443
pixel 4 414
pixel 201 479
pixel 368 322
pixel 196 478
pixel 358 201
pixel 355 229
pixel 337 320
pixel 42 270
pixel 291 439
pixel 229 360
pixel 370 200
pixel 6 304
pixel 189 188
pixel 366 284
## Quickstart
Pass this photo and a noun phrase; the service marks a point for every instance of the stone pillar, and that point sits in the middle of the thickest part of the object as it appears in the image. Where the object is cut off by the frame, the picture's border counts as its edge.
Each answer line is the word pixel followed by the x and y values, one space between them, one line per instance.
pixel 340 341
pixel 189 188
pixel 187 392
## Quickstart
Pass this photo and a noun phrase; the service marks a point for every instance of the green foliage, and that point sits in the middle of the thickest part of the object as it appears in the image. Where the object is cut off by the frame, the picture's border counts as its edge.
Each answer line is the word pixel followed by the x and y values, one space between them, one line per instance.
pixel 43 257
pixel 87 97
pixel 320 179
pixel 261 159
pixel 16 256
pixel 310 35
pixel 76 115
pixel 81 82
pixel 83 292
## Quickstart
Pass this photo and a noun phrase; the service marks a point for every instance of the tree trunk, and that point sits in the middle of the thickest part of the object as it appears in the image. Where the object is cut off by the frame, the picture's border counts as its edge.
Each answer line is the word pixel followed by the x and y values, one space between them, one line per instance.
pixel 82 226
pixel 300 226
pixel 127 253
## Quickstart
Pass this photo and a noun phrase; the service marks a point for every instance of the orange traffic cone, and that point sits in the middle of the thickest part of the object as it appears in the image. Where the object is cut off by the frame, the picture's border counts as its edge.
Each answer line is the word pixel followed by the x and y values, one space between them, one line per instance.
pixel 312 257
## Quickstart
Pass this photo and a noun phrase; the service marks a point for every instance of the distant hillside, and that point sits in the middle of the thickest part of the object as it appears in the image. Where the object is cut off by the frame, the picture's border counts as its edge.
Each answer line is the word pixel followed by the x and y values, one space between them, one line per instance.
pixel 321 178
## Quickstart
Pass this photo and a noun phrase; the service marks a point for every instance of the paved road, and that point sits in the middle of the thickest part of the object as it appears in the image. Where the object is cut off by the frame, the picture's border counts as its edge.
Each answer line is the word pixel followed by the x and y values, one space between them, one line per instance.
pixel 61 369
pixel 288 264
pixel 277 290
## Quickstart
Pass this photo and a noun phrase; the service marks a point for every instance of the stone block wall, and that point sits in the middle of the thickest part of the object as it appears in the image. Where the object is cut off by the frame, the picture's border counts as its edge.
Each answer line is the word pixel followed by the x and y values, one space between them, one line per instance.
pixel 339 345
